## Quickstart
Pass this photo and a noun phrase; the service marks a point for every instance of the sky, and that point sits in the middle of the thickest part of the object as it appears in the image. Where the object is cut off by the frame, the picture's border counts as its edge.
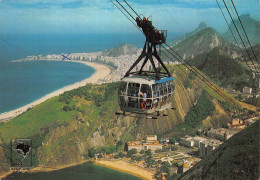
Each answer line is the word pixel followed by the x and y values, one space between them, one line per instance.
pixel 101 16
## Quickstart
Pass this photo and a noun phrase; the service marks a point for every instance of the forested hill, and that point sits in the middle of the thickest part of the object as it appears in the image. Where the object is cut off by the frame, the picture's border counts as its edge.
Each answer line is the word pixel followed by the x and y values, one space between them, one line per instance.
pixel 237 158
pixel 222 69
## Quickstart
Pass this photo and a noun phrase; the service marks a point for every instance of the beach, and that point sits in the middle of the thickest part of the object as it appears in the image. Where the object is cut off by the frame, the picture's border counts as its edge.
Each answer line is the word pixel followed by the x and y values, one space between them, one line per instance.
pixel 125 167
pixel 101 72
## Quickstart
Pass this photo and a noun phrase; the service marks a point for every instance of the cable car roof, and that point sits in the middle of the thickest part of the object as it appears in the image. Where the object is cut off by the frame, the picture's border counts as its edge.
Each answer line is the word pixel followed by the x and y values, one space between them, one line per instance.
pixel 146 80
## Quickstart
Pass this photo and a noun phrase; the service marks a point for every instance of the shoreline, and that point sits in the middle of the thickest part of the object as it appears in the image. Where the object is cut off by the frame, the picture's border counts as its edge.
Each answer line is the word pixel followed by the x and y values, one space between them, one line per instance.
pixel 44 169
pixel 125 167
pixel 101 71
pixel 118 165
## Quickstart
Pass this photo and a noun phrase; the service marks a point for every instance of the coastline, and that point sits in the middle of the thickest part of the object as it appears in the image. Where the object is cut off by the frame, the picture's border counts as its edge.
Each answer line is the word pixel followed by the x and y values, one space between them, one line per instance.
pixel 101 72
pixel 125 167
pixel 45 169
pixel 118 165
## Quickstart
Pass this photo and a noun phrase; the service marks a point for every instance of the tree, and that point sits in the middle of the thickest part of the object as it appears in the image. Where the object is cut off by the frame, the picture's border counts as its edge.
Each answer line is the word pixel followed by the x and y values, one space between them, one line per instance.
pixel 121 154
pixel 133 151
pixel 164 168
pixel 91 152
pixel 142 151
pixel 172 140
pixel 148 152
pixel 67 108
pixel 100 155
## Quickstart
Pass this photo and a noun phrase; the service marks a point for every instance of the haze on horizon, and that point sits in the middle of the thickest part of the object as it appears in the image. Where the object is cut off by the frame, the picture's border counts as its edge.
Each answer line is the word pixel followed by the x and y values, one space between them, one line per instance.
pixel 101 16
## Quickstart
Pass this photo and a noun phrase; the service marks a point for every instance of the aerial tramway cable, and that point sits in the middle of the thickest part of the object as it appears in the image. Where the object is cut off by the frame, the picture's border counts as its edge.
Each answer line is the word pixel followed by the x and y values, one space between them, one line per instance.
pixel 202 78
pixel 126 16
pixel 244 31
pixel 195 80
pixel 239 35
pixel 194 71
pixel 234 38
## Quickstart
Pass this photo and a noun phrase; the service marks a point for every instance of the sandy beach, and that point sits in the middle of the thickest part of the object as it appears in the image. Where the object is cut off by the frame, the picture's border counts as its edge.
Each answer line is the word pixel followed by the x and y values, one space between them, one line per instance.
pixel 101 72
pixel 125 167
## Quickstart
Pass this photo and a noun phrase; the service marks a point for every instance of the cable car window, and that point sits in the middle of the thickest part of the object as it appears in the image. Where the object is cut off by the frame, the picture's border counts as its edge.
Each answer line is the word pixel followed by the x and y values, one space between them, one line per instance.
pixel 122 88
pixel 165 88
pixel 133 89
pixel 169 84
pixel 133 102
pixel 155 90
pixel 145 97
pixel 173 86
pixel 161 89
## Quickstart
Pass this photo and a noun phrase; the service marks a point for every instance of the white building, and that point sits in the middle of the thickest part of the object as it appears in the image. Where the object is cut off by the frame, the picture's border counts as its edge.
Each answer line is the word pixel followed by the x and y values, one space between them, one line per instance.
pixel 206 147
pixel 150 143
pixel 247 90
pixel 151 137
pixel 187 141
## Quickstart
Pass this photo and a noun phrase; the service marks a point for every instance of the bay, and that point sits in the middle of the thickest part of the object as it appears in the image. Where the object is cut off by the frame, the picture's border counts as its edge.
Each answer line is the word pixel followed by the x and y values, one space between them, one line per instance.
pixel 82 172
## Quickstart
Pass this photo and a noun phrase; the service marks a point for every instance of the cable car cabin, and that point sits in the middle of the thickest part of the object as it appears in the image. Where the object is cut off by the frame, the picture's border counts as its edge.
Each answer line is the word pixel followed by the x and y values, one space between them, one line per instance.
pixel 145 95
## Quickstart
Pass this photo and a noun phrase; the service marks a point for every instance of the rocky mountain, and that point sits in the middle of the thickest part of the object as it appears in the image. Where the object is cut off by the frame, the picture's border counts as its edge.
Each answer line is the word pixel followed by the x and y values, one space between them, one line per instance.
pixel 222 69
pixel 124 49
pixel 201 26
pixel 251 26
pixel 237 158
pixel 203 42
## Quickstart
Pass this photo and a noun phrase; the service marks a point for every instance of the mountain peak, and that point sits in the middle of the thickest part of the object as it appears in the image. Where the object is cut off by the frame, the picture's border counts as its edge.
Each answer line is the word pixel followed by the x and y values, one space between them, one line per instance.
pixel 123 49
pixel 202 25
pixel 251 26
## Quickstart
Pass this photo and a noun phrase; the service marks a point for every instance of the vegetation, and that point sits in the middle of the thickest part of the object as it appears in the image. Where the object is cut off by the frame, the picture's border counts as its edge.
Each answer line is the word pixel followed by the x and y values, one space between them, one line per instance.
pixel 188 84
pixel 200 111
pixel 223 70
pixel 237 158
pixel 88 105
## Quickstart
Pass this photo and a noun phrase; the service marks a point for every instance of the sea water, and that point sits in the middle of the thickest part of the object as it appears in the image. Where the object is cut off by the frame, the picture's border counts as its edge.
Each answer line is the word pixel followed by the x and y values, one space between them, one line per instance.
pixel 81 172
pixel 24 82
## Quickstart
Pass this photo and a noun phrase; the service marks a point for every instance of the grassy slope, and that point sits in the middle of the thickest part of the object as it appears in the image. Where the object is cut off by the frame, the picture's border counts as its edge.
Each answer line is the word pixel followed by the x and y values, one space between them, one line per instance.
pixel 33 121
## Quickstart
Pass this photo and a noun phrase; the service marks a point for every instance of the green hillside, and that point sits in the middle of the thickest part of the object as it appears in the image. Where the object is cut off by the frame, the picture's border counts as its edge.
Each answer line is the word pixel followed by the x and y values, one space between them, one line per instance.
pixel 251 26
pixel 124 49
pixel 223 69
pixel 81 119
pixel 256 50
pixel 237 158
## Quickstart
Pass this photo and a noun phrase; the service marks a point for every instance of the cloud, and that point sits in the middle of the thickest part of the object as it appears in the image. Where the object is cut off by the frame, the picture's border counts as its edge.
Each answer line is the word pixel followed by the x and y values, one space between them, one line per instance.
pixel 81 16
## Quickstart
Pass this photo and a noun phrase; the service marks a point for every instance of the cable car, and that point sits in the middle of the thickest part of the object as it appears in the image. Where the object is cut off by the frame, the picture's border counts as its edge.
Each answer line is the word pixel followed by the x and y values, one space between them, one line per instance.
pixel 146 95
pixel 145 91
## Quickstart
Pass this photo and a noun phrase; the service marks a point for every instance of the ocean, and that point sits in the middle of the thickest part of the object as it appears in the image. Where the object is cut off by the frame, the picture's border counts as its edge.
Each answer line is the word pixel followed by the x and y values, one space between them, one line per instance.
pixel 81 172
pixel 22 83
